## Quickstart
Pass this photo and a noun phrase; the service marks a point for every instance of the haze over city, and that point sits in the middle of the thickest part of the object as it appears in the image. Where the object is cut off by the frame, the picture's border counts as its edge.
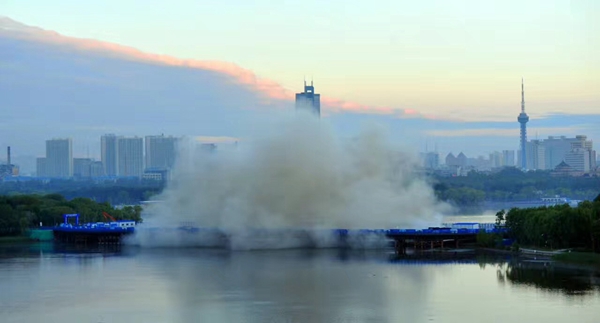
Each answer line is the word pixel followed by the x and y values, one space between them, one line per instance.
pixel 445 76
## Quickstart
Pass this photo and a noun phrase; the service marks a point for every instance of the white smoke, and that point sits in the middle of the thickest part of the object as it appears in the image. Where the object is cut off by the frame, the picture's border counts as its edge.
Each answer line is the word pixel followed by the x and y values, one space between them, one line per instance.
pixel 290 185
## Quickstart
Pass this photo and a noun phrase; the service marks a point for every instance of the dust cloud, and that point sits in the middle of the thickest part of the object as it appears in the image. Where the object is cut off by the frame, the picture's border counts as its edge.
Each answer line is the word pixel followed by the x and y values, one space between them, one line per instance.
pixel 288 186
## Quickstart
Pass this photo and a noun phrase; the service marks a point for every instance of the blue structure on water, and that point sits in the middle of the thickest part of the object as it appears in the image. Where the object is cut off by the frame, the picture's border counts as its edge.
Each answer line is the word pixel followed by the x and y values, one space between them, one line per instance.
pixel 98 232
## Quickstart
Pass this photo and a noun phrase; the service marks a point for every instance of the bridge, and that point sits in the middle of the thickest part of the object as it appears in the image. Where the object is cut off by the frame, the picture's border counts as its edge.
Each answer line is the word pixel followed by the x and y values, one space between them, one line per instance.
pixel 440 237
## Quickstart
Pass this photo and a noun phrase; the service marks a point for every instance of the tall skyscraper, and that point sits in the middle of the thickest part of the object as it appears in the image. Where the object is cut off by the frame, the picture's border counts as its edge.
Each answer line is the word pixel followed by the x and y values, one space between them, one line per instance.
pixel 523 119
pixel 558 147
pixel 536 155
pixel 160 152
pixel 59 158
pixel 130 154
pixel 309 100
pixel 109 154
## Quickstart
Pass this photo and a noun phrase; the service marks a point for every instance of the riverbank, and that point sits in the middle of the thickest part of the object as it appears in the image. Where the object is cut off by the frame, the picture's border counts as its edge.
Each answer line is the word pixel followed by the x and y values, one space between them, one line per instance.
pixel 579 258
pixel 559 258
pixel 14 239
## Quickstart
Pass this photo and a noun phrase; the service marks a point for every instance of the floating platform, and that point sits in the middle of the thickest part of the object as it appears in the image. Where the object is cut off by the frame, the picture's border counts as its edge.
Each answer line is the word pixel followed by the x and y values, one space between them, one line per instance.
pixel 92 233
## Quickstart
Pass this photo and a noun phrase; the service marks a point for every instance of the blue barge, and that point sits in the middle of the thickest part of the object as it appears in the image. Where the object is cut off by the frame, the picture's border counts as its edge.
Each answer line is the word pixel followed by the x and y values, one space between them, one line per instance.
pixel 99 232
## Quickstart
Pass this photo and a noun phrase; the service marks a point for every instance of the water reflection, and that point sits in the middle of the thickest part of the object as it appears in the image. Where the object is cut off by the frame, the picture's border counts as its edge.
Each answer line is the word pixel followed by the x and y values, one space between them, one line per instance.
pixel 292 286
pixel 550 278
pixel 55 283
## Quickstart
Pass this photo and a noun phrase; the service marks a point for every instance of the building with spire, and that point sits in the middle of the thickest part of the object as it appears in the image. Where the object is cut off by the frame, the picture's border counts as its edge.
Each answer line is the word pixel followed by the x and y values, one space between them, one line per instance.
pixel 309 100
pixel 523 119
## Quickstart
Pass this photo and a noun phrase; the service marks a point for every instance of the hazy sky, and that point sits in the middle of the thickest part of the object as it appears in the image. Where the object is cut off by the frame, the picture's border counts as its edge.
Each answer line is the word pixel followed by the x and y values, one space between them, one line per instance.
pixel 460 59
pixel 441 73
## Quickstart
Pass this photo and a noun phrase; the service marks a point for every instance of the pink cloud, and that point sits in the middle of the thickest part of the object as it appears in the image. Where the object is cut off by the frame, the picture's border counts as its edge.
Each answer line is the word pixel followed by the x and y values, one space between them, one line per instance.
pixel 270 89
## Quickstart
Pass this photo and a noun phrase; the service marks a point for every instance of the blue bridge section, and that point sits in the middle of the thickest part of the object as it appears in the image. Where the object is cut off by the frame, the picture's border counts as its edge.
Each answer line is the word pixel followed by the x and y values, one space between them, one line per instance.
pixel 99 232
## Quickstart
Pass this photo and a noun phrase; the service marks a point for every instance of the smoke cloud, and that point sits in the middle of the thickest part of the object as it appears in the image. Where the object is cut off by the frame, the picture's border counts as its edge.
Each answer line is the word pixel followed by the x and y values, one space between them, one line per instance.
pixel 288 186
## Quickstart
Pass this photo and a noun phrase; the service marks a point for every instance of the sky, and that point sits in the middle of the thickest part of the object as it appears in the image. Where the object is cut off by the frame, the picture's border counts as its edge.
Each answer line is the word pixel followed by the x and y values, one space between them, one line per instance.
pixel 458 62
pixel 441 57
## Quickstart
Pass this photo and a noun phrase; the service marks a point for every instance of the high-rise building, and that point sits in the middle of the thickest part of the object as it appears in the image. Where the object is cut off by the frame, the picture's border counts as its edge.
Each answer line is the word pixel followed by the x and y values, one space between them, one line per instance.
pixel 59 158
pixel 508 158
pixel 523 119
pixel 109 154
pixel 40 167
pixel 309 100
pixel 558 147
pixel 160 152
pixel 431 160
pixel 536 157
pixel 97 169
pixel 82 167
pixel 579 159
pixel 130 153
pixel 496 159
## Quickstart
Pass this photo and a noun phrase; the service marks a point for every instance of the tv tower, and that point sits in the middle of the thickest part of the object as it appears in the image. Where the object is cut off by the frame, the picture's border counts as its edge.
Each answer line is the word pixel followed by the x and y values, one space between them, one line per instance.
pixel 523 119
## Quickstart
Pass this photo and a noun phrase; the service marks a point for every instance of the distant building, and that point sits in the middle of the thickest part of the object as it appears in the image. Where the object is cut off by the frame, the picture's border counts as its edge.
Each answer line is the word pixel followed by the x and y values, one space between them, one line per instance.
pixel 156 174
pixel 564 169
pixel 161 152
pixel 109 154
pixel 82 167
pixel 8 169
pixel 40 167
pixel 496 159
pixel 451 160
pixel 459 161
pixel 557 148
pixel 431 160
pixel 462 160
pixel 59 158
pixel 97 169
pixel 309 100
pixel 508 158
pixel 130 156
pixel 536 158
pixel 546 154
pixel 579 159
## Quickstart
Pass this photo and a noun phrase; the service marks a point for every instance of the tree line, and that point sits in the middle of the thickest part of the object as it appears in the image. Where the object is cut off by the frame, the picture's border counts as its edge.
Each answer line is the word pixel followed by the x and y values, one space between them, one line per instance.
pixel 18 213
pixel 116 192
pixel 511 184
pixel 556 227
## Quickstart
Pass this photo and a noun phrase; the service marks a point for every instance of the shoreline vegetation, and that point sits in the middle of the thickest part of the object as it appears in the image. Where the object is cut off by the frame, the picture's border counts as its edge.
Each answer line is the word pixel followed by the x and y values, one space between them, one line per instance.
pixel 579 258
pixel 15 239
pixel 21 213
pixel 472 194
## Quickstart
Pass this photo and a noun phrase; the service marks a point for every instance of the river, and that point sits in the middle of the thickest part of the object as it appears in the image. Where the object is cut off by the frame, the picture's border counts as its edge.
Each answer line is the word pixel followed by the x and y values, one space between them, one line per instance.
pixel 42 283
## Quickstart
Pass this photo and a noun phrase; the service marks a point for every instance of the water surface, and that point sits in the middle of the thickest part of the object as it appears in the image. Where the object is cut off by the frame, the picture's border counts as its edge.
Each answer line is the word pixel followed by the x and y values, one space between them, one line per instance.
pixel 40 283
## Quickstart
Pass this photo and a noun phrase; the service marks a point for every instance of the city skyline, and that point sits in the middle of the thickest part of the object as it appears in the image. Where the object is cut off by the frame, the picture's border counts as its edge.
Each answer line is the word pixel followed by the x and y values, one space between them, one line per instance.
pixel 159 152
pixel 234 93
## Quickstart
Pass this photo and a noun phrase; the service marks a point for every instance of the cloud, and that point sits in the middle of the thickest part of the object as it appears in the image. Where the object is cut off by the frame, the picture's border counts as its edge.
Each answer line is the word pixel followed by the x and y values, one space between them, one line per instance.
pixel 501 132
pixel 270 89
pixel 216 139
